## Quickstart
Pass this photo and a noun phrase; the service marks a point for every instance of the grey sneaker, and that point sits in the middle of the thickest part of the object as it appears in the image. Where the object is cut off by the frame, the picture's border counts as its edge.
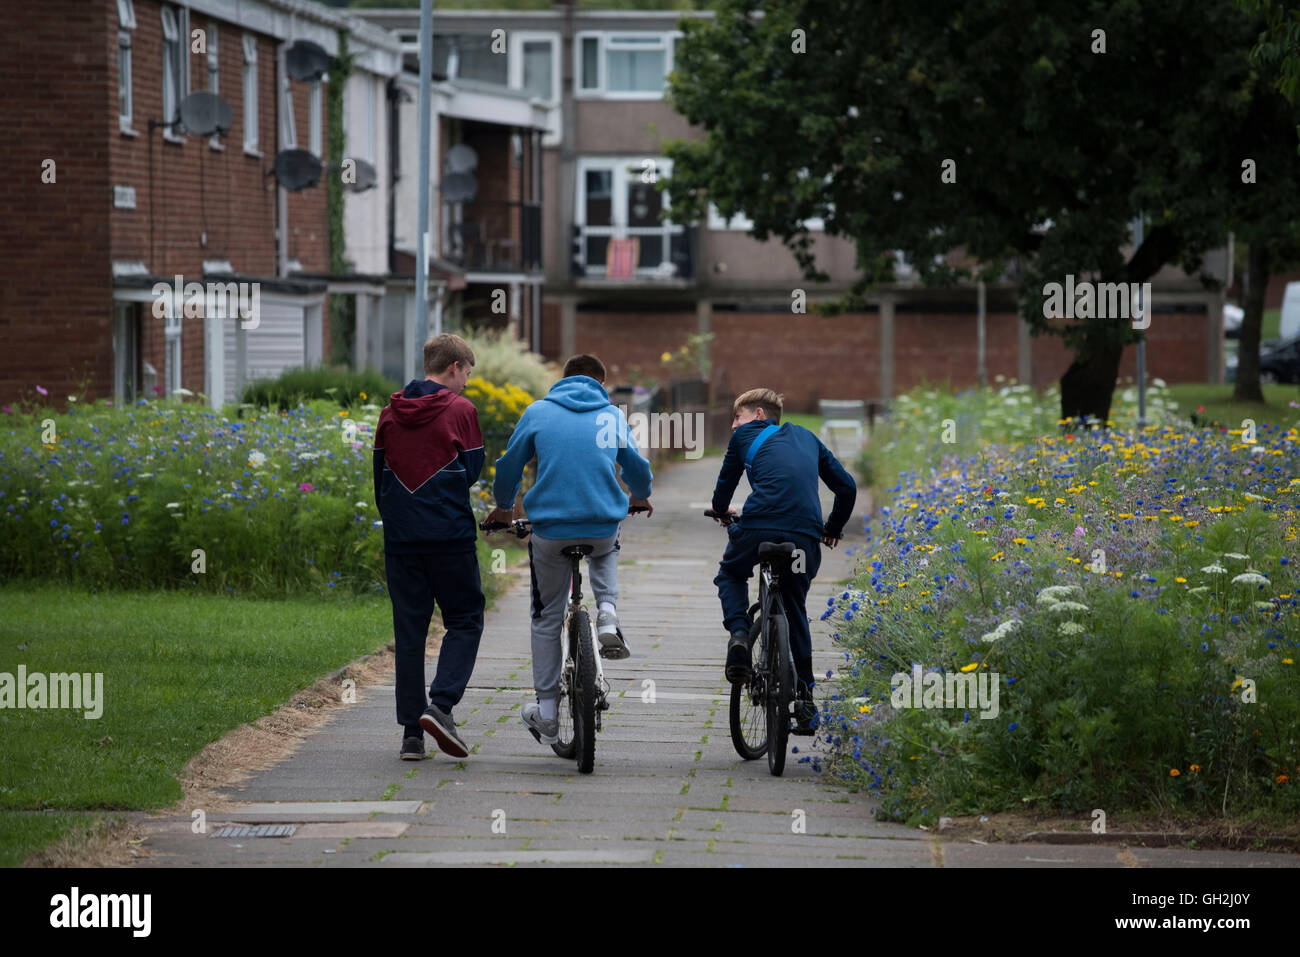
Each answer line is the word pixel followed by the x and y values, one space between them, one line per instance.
pixel 443 729
pixel 412 749
pixel 612 643
pixel 546 732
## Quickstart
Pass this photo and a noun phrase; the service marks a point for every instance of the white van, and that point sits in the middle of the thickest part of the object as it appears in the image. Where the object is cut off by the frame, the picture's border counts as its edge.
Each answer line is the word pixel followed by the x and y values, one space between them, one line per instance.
pixel 1290 312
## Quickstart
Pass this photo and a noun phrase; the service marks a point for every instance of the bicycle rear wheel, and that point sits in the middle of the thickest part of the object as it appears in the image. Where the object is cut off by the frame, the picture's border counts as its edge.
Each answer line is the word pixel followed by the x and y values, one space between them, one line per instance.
pixel 584 692
pixel 780 689
pixel 749 703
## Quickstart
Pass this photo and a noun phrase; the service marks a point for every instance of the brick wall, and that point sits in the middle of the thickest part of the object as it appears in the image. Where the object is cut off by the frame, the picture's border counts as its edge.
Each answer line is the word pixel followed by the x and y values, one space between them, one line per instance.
pixel 804 357
pixel 55 322
pixel 1177 344
pixel 938 348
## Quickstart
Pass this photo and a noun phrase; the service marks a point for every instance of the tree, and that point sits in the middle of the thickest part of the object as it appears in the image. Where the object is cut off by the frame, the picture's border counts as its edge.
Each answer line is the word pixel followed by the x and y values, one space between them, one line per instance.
pixel 1058 120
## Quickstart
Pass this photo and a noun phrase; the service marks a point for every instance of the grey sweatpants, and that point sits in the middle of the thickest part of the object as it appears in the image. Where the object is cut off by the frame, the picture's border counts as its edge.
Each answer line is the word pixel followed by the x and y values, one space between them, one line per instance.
pixel 551 571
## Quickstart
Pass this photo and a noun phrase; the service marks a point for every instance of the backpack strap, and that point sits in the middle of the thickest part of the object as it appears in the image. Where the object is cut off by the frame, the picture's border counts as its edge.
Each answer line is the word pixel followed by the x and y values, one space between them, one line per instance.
pixel 763 435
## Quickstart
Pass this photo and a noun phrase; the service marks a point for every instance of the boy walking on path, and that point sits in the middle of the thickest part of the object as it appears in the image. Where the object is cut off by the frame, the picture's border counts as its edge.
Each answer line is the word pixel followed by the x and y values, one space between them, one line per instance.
pixel 783 463
pixel 581 441
pixel 428 453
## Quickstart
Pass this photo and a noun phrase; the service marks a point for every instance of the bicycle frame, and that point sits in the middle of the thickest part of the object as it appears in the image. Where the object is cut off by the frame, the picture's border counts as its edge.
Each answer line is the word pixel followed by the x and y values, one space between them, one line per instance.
pixel 575 605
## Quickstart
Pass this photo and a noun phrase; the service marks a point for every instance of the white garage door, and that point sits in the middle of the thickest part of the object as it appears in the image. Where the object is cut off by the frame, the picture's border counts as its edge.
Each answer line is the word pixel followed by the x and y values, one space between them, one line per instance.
pixel 276 344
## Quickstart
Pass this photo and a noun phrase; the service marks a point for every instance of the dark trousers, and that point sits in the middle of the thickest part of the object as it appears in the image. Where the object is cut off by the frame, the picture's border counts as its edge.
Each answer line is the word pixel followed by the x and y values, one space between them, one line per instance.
pixel 737 567
pixel 415 583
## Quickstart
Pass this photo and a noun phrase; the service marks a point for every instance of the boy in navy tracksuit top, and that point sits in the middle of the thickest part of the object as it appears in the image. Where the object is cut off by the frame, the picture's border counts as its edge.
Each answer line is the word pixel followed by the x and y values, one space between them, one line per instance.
pixel 784 463
pixel 581 442
pixel 428 453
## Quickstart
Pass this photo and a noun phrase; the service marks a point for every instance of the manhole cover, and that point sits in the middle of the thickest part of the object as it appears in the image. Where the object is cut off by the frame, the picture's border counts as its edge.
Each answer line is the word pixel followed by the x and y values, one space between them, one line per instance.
pixel 256 830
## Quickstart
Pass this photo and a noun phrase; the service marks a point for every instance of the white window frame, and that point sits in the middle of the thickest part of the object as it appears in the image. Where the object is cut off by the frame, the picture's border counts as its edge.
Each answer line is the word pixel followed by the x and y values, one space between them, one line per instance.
pixel 315 139
pixel 178 36
pixel 608 41
pixel 214 73
pixel 515 66
pixel 126 25
pixel 288 123
pixel 251 117
pixel 624 168
pixel 174 355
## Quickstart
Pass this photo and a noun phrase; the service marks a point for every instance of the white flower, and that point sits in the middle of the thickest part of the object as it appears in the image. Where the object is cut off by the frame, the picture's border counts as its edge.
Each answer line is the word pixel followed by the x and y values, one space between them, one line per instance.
pixel 181 392
pixel 1215 570
pixel 360 504
pixel 1263 606
pixel 1200 590
pixel 1158 383
pixel 1236 555
pixel 1255 450
pixel 1002 630
pixel 145 475
pixel 1250 578
pixel 1070 628
pixel 172 505
pixel 1054 593
pixel 1067 606
pixel 256 458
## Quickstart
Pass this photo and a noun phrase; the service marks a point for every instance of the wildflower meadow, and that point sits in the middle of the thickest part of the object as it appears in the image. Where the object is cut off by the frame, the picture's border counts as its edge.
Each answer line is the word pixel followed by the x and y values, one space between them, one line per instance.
pixel 1132 594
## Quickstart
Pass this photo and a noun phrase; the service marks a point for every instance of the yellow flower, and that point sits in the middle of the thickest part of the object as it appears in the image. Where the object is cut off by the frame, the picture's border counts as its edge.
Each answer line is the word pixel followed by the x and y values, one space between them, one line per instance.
pixel 666 357
pixel 970 667
pixel 1021 541
pixel 1174 772
pixel 1181 581
pixel 1195 768
pixel 343 413
pixel 1287 661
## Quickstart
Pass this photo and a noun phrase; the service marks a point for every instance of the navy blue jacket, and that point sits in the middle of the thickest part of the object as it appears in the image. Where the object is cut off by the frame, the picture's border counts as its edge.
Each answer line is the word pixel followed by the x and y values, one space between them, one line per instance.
pixel 428 455
pixel 784 477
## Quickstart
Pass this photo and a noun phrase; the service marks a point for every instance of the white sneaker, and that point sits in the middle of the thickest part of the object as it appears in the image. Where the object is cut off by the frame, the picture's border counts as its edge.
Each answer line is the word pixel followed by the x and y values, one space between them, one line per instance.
pixel 547 732
pixel 612 643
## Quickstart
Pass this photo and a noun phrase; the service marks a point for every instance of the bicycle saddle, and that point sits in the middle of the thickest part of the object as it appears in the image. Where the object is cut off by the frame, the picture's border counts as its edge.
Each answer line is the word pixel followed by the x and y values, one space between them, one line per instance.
pixel 768 551
pixel 574 551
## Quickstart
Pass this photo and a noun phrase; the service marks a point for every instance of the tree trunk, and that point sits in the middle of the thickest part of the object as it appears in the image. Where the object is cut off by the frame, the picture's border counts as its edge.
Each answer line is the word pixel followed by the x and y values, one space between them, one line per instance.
pixel 1246 388
pixel 1089 383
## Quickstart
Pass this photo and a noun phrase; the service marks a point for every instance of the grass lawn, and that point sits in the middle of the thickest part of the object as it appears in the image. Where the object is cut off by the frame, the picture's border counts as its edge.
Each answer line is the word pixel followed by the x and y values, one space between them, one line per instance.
pixel 1219 407
pixel 179 671
pixel 813 423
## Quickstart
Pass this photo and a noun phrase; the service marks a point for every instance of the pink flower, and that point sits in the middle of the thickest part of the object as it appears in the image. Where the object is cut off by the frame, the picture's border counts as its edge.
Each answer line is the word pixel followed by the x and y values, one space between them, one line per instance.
pixel 158 389
pixel 1294 404
pixel 8 411
pixel 42 391
pixel 307 487
pixel 1078 530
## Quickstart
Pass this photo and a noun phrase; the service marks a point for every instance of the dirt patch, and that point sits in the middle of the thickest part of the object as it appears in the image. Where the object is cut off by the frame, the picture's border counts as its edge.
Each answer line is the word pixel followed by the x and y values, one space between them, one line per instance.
pixel 106 843
pixel 1008 828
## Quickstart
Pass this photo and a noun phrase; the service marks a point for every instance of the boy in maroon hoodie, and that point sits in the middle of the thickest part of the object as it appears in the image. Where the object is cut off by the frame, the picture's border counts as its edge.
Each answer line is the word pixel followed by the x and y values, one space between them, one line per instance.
pixel 428 454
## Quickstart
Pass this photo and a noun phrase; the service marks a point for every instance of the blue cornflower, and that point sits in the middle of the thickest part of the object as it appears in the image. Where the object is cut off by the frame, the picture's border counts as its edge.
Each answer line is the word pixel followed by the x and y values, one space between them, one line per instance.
pixel 1013 725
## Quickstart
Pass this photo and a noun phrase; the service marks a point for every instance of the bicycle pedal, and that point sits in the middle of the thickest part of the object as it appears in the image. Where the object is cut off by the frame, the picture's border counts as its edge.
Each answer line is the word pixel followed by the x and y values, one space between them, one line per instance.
pixel 802 732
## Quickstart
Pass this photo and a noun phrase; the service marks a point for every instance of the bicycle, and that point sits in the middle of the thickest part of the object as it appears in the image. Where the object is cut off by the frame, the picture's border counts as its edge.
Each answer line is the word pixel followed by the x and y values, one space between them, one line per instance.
pixel 761 706
pixel 584 692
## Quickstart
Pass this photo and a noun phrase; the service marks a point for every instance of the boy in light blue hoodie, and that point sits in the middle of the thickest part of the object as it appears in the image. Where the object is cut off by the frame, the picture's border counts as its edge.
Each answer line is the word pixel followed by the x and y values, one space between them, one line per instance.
pixel 581 441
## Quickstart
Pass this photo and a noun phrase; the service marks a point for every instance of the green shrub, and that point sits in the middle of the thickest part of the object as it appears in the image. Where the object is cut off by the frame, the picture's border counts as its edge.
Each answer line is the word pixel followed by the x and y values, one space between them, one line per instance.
pixel 342 387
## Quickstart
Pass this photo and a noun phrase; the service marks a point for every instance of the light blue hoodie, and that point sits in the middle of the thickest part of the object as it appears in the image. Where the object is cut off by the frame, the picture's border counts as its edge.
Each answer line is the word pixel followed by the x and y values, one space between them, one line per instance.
pixel 580 441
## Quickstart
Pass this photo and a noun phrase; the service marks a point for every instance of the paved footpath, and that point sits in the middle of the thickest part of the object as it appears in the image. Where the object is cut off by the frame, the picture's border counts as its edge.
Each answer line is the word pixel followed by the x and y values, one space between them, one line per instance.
pixel 668 788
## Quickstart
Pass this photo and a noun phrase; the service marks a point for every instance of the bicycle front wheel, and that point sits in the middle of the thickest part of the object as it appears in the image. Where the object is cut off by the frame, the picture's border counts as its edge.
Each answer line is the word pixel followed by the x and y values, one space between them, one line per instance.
pixel 584 692
pixel 566 746
pixel 749 702
pixel 780 690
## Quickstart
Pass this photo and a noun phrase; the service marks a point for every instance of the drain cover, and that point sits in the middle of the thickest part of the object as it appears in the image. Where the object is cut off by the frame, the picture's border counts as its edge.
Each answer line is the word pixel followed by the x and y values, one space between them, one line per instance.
pixel 258 830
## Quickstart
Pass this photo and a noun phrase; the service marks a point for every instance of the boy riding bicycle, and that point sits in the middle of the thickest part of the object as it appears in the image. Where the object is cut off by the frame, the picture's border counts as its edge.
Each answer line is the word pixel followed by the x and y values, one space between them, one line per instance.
pixel 581 441
pixel 783 463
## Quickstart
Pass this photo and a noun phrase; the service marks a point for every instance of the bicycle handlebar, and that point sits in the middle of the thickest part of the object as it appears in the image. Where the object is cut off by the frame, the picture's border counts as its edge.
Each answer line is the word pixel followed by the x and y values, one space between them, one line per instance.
pixel 726 518
pixel 522 527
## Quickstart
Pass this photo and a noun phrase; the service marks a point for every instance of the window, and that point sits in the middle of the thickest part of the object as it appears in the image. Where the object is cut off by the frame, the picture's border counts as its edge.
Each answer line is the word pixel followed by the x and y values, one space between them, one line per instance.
pixel 126 23
pixel 288 128
pixel 214 73
pixel 619 199
pixel 174 355
pixel 469 56
pixel 314 119
pixel 175 79
pixel 630 66
pixel 250 93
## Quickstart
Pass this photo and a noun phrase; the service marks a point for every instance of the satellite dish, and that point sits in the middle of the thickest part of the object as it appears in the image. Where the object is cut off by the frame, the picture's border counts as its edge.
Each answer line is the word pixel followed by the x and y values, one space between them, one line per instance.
pixel 305 60
pixel 204 113
pixel 297 169
pixel 461 158
pixel 367 178
pixel 459 187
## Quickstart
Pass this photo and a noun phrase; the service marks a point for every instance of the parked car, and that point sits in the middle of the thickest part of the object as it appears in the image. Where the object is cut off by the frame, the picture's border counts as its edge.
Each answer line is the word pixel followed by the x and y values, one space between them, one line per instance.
pixel 1280 362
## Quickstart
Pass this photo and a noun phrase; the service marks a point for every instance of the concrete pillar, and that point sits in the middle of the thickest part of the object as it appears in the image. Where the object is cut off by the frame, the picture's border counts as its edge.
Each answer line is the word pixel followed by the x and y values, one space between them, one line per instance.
pixel 704 325
pixel 214 355
pixel 887 348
